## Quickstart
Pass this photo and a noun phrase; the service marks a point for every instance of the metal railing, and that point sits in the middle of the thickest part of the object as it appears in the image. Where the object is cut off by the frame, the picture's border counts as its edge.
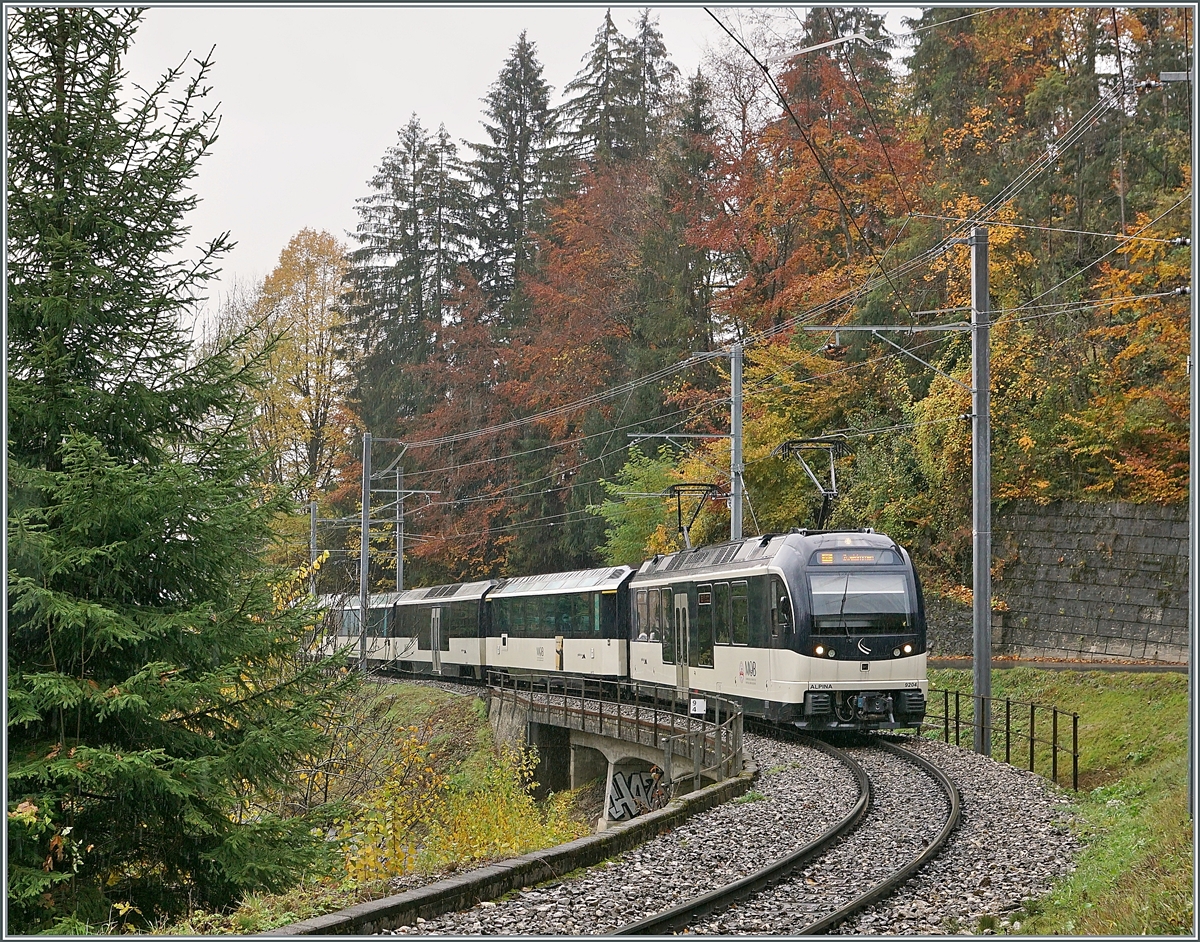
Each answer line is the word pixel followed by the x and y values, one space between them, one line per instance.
pixel 647 714
pixel 1018 724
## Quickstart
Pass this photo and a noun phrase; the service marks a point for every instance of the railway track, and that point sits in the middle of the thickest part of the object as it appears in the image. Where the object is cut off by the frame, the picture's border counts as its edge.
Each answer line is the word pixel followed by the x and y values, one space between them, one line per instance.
pixel 801 856
pixel 805 883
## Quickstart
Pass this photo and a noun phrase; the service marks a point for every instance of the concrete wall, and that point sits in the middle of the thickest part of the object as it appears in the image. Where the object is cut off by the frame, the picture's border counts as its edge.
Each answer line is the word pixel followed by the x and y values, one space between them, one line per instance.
pixel 1082 581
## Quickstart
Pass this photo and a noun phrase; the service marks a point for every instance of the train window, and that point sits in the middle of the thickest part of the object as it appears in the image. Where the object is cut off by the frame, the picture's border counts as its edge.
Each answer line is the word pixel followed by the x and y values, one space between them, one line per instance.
pixel 641 615
pixel 607 620
pixel 563 615
pixel 656 615
pixel 700 640
pixel 424 615
pixel 741 614
pixel 583 614
pixel 721 612
pixel 597 624
pixel 781 609
pixel 668 637
pixel 526 619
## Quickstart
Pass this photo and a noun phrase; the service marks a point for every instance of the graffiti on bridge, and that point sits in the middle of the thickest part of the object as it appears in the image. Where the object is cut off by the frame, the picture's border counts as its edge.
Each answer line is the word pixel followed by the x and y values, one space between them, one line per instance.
pixel 635 793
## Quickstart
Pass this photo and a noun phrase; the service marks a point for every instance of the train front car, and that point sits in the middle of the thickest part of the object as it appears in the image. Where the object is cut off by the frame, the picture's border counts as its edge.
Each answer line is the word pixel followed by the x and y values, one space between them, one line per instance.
pixel 860 632
pixel 823 630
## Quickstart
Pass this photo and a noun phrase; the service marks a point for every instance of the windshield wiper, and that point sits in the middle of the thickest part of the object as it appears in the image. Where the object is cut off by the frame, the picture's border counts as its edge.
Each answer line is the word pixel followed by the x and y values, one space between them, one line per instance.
pixel 842 607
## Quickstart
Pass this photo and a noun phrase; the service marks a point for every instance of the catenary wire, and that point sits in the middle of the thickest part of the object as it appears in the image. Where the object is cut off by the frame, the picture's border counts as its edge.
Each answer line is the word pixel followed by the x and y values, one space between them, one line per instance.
pixel 1016 225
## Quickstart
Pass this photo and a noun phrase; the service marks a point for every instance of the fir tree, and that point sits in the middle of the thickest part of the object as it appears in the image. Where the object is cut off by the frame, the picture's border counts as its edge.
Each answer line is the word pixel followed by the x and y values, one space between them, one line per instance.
pixel 603 109
pixel 513 176
pixel 155 699
pixel 411 242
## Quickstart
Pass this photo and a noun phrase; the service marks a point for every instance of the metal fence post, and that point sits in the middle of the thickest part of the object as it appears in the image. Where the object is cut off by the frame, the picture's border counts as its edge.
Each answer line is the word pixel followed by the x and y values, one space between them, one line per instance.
pixel 717 734
pixel 1031 721
pixel 1007 728
pixel 1075 751
pixel 1054 747
pixel 946 716
pixel 957 722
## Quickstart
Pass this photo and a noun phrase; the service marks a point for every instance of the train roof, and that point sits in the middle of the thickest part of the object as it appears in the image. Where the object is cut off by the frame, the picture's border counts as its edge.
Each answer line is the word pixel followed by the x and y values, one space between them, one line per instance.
pixel 607 579
pixel 757 550
pixel 457 592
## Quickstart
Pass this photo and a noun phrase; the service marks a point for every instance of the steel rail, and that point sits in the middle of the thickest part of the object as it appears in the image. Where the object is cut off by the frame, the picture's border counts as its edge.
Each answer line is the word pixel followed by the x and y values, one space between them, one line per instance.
pixel 897 879
pixel 681 915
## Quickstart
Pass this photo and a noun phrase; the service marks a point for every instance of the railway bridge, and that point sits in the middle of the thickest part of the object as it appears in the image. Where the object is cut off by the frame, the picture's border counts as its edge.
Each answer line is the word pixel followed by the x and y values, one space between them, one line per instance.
pixel 648 743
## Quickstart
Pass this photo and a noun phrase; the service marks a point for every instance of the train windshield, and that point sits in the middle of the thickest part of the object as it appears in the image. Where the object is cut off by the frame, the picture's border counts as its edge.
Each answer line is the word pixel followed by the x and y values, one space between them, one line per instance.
pixel 878 602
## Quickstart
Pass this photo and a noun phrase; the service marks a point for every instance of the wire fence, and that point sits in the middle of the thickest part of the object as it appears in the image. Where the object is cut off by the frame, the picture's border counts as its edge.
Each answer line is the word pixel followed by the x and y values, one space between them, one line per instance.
pixel 1030 735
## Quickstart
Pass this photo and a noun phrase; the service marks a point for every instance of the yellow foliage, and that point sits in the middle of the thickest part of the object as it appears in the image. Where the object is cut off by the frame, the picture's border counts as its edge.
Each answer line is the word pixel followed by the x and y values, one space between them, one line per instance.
pixel 380 841
pixel 500 819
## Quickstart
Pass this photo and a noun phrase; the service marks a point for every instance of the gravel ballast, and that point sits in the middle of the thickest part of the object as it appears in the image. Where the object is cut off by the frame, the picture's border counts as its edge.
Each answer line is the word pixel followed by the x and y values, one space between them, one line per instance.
pixel 1013 842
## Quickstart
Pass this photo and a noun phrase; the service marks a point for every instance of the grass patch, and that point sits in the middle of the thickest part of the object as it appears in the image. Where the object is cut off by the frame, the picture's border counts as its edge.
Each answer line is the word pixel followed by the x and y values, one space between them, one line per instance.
pixel 1134 876
pixel 750 796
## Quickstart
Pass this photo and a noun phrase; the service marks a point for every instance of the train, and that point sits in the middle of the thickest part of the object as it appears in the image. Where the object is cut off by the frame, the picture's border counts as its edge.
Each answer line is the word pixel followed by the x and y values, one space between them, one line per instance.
pixel 824 630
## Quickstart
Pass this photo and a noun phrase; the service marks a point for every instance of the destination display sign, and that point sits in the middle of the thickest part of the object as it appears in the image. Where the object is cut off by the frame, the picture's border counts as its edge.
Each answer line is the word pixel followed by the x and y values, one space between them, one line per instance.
pixel 854 557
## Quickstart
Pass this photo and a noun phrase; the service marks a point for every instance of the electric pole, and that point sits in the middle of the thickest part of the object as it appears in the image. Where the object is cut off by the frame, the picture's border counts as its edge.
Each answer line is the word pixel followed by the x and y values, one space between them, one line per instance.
pixel 364 552
pixel 735 452
pixel 981 467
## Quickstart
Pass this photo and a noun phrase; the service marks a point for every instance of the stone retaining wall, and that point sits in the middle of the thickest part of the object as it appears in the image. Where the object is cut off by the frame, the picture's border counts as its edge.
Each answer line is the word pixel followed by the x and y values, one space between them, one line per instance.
pixel 1082 581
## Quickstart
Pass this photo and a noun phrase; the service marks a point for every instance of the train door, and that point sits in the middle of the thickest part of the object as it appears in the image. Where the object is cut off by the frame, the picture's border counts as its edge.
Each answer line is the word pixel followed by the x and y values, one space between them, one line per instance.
pixel 435 638
pixel 681 643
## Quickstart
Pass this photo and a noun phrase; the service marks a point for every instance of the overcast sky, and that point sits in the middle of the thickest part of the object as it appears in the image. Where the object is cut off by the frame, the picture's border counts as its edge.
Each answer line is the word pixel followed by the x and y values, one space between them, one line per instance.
pixel 310 97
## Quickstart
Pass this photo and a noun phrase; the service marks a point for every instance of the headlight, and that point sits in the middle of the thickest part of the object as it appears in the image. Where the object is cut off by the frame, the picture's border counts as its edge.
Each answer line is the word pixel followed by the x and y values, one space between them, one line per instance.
pixel 908 649
pixel 820 650
pixel 832 653
pixel 895 652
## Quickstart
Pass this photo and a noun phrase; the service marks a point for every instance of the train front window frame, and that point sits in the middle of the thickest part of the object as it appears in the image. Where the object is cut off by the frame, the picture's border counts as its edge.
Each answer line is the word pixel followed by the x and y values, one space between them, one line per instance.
pixel 861 601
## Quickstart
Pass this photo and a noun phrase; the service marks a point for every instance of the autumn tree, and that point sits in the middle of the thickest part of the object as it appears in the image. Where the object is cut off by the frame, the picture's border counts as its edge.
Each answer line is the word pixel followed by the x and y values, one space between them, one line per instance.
pixel 152 685
pixel 300 411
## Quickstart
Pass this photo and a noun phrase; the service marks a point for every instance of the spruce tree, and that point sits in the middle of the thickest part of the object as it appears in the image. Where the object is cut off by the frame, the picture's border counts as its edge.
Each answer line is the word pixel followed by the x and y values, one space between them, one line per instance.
pixel 411 242
pixel 654 77
pixel 513 176
pixel 155 699
pixel 605 93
